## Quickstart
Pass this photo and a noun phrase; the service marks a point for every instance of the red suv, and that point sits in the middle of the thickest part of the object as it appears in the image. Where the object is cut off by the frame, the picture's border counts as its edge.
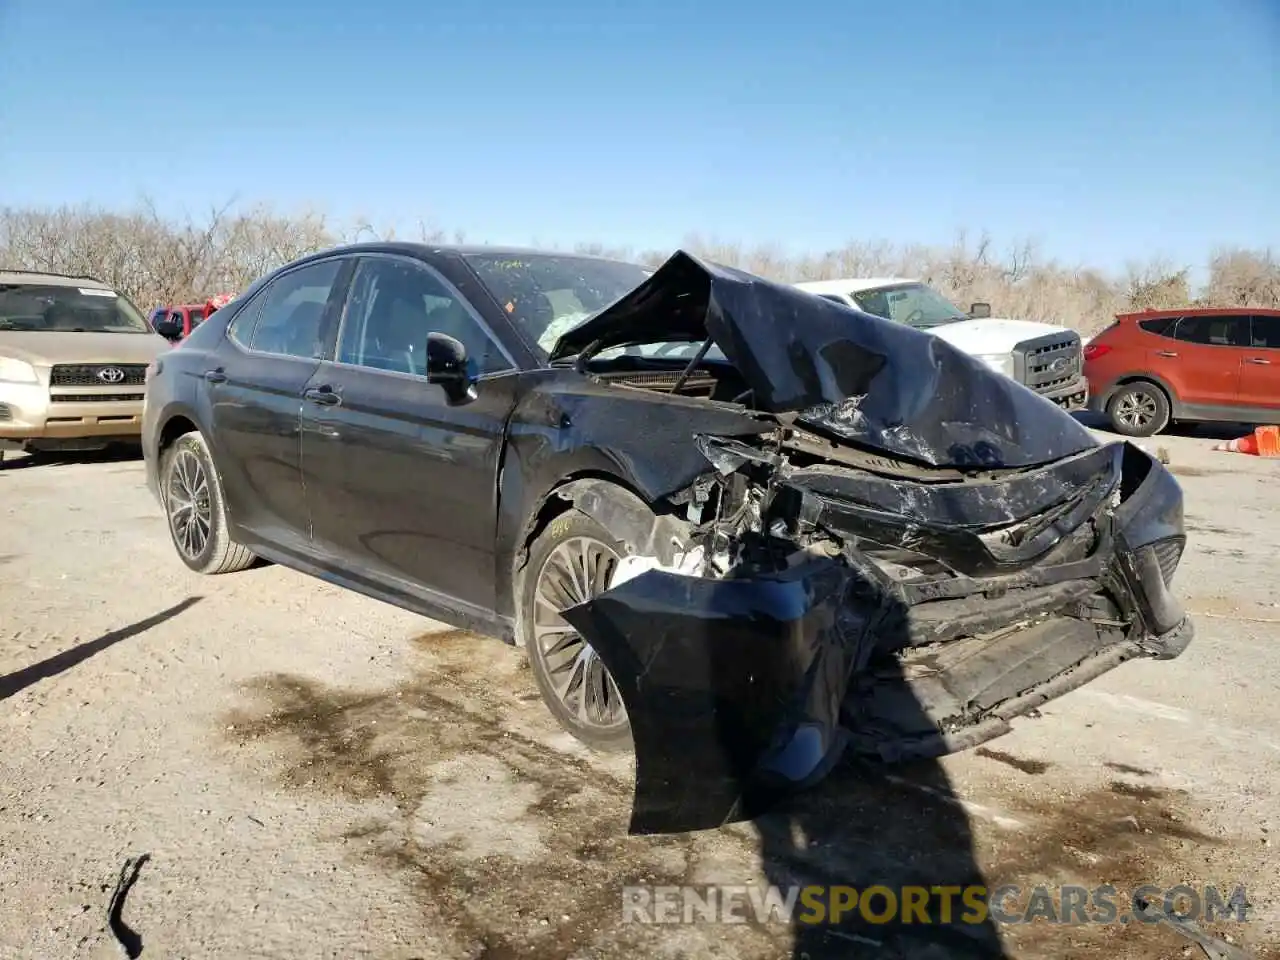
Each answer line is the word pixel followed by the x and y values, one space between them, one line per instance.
pixel 1220 363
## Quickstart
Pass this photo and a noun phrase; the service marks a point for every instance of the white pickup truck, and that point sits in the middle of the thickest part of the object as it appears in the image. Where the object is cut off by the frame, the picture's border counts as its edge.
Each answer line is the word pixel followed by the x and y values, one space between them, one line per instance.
pixel 1045 358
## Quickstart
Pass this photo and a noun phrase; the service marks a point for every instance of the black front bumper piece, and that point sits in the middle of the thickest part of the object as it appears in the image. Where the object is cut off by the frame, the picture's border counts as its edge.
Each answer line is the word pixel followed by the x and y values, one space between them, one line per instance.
pixel 733 687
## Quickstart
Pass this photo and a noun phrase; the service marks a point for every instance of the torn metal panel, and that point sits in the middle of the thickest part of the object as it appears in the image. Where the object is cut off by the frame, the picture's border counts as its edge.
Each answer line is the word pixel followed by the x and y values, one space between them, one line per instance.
pixel 848 374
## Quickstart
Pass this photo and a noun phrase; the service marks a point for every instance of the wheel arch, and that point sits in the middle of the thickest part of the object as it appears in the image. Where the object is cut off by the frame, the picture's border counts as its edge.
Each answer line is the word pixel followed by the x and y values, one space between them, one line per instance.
pixel 176 424
pixel 1142 376
pixel 608 499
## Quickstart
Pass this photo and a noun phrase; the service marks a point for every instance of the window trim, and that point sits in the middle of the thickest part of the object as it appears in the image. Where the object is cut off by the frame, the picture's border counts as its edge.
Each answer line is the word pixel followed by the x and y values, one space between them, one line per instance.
pixel 451 288
pixel 1214 316
pixel 256 303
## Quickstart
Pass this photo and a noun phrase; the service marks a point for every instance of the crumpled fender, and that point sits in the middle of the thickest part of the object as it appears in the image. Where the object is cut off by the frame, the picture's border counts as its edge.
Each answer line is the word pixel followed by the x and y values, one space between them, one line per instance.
pixel 733 687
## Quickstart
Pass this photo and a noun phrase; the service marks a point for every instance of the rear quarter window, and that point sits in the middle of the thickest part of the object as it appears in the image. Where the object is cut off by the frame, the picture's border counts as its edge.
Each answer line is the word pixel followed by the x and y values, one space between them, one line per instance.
pixel 1162 326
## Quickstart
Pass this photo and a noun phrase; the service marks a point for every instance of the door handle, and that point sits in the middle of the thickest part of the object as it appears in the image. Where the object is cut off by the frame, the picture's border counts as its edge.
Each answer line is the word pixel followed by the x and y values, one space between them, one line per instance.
pixel 215 376
pixel 1257 360
pixel 323 396
pixel 1165 353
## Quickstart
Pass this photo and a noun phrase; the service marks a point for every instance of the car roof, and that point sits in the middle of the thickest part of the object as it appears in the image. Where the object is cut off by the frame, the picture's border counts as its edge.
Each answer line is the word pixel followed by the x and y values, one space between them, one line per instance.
pixel 1198 312
pixel 437 250
pixel 51 279
pixel 852 285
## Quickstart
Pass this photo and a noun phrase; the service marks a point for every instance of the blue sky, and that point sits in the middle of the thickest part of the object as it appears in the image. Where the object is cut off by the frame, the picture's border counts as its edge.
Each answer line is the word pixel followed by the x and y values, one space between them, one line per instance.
pixel 1105 131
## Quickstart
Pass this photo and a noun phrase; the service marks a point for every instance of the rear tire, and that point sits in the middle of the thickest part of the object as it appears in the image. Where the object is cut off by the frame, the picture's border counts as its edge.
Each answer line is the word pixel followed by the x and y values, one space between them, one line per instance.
pixel 1138 409
pixel 196 510
pixel 564 666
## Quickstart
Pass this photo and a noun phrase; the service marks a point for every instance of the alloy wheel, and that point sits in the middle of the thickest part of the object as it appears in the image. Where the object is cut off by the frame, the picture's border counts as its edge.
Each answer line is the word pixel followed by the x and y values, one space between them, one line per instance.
pixel 189 506
pixel 1136 409
pixel 575 571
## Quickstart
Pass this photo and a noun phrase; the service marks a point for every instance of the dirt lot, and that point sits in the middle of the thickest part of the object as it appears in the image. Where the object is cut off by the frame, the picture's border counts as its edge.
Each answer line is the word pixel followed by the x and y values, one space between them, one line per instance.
pixel 313 774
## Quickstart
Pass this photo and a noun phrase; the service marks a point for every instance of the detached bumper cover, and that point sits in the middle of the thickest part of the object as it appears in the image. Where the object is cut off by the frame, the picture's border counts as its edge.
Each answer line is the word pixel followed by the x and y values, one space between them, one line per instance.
pixel 733 687
pixel 740 691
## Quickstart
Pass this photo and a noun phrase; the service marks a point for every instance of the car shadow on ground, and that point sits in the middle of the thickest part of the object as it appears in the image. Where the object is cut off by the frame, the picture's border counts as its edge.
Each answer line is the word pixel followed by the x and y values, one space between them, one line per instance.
pixel 116 453
pixel 19 680
pixel 872 833
pixel 867 837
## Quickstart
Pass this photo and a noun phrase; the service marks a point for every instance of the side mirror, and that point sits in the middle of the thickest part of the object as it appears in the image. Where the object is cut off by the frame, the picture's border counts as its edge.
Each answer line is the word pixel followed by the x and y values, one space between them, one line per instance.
pixel 447 365
pixel 980 311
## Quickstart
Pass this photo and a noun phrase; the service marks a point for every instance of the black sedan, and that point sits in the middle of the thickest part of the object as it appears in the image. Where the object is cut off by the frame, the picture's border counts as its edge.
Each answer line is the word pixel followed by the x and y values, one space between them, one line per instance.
pixel 737 527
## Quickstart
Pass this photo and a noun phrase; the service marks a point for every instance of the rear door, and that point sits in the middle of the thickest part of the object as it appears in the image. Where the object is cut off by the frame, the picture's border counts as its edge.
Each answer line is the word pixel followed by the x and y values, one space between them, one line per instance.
pixel 1203 363
pixel 401 483
pixel 273 346
pixel 1260 367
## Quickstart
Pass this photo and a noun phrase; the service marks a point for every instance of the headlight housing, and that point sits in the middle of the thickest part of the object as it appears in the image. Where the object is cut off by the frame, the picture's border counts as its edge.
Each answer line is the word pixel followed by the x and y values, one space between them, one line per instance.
pixel 17 371
pixel 999 362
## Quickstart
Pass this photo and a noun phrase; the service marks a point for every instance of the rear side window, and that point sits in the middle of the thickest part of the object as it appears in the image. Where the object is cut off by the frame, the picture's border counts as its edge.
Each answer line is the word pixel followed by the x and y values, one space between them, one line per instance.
pixel 1266 332
pixel 1219 331
pixel 286 320
pixel 1159 325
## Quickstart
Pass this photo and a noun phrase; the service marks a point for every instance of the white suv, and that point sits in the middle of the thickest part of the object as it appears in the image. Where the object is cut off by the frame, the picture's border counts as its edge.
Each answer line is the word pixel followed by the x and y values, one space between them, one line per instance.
pixel 1046 358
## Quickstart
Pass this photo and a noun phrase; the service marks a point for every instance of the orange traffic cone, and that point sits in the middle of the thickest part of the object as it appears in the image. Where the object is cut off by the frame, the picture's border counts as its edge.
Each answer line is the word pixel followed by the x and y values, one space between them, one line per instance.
pixel 1263 442
pixel 1246 444
pixel 1268 441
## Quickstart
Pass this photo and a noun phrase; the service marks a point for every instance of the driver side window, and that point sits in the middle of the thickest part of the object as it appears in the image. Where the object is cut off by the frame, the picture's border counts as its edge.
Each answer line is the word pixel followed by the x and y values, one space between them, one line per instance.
pixel 394 305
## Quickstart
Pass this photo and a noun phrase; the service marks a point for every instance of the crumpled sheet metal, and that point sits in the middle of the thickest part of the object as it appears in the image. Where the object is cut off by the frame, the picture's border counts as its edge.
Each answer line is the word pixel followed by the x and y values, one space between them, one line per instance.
pixel 858 377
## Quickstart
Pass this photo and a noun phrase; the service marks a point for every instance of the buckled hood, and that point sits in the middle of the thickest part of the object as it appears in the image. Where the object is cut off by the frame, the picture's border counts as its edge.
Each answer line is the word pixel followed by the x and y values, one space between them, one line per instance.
pixel 860 378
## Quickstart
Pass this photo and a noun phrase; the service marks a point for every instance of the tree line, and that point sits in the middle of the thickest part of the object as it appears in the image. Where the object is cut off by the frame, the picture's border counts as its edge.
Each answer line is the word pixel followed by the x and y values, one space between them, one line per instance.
pixel 155 259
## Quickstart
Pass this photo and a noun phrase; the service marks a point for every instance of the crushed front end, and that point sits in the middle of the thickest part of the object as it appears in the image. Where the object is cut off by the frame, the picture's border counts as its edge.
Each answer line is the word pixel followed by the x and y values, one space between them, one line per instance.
pixel 831 599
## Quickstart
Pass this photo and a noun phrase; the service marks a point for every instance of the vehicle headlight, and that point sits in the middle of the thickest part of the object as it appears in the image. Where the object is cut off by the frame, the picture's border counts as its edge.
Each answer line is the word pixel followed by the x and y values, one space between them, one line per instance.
pixel 17 371
pixel 999 362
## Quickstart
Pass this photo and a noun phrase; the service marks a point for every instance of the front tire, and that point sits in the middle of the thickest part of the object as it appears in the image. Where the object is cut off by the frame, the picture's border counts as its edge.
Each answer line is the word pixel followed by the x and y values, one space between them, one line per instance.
pixel 196 510
pixel 570 562
pixel 1138 409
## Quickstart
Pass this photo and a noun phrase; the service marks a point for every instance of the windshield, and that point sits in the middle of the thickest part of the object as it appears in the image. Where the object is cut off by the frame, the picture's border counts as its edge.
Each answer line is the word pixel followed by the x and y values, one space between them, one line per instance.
pixel 51 308
pixel 914 304
pixel 547 295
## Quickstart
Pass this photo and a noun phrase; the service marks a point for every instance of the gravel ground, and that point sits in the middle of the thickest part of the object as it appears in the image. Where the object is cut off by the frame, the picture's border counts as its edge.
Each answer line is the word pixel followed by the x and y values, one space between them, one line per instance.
pixel 308 773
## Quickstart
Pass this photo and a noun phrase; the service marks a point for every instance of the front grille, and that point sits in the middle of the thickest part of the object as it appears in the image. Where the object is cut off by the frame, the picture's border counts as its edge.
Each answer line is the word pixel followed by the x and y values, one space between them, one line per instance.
pixel 1049 362
pixel 90 375
pixel 5 412
pixel 95 397
pixel 1168 554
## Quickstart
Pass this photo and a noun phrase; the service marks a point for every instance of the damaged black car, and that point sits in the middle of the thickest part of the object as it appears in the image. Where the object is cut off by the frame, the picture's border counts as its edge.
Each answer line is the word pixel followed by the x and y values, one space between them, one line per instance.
pixel 738 528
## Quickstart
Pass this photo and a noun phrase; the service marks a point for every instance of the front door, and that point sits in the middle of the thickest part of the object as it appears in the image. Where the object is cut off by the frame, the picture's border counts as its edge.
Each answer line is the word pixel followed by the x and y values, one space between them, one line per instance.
pixel 1260 367
pixel 1203 362
pixel 401 483
pixel 271 350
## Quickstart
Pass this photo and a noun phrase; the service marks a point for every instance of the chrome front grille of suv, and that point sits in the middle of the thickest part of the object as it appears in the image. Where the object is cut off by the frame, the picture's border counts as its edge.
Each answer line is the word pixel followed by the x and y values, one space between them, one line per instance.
pixel 1049 362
